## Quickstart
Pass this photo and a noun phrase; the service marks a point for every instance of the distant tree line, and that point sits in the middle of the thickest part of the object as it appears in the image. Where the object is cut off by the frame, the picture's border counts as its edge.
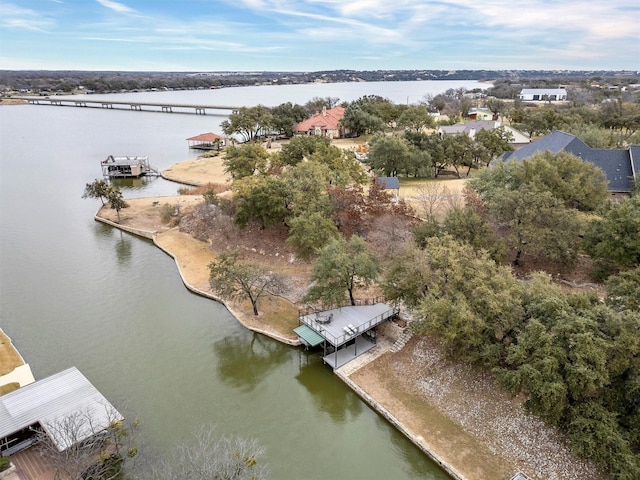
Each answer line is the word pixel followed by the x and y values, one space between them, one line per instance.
pixel 66 81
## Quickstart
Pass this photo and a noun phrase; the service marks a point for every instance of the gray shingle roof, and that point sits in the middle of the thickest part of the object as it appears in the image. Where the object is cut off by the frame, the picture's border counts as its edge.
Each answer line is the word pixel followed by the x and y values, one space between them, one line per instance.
pixel 388 183
pixel 615 163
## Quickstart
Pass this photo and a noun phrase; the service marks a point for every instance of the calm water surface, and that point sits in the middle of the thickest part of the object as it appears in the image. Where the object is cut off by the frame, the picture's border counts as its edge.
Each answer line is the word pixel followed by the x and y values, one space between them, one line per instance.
pixel 74 292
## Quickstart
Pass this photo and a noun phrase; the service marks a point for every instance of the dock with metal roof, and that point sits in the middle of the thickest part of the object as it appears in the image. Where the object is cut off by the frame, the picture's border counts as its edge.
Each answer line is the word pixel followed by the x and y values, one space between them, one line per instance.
pixel 47 402
pixel 345 332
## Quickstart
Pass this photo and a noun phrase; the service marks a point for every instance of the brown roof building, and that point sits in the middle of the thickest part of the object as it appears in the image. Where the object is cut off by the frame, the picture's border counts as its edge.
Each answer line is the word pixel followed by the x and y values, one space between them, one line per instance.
pixel 326 123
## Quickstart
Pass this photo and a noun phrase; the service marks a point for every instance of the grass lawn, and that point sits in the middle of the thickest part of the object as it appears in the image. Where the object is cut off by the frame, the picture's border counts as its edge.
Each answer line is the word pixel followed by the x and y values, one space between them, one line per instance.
pixel 9 356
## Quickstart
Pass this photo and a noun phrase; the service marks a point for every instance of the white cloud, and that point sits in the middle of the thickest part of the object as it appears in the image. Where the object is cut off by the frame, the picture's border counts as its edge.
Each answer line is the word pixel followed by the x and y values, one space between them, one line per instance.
pixel 15 17
pixel 116 6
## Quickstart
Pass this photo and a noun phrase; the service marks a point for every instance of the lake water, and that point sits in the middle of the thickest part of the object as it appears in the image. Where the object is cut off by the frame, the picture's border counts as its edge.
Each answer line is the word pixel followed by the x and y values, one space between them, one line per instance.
pixel 74 292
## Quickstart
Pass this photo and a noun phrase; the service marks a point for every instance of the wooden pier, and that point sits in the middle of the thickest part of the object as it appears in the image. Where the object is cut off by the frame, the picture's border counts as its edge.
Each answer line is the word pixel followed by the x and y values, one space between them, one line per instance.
pixel 131 105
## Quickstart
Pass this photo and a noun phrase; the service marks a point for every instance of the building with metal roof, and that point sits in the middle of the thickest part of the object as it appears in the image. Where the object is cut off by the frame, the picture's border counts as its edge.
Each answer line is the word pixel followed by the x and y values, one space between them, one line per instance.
pixel 620 165
pixel 543 94
pixel 48 403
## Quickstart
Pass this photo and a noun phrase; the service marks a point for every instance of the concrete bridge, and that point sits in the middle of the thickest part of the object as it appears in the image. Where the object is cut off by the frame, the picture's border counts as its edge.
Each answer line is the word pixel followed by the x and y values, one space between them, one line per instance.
pixel 149 106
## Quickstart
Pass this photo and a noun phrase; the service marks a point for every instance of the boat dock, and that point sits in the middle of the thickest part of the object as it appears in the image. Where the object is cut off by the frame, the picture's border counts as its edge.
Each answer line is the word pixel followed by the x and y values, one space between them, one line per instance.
pixel 123 167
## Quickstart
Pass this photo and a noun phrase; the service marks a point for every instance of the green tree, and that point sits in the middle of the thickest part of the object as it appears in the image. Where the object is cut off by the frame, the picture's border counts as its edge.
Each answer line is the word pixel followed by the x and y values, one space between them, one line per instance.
pixel 389 155
pixel 416 118
pixel 496 141
pixel 97 189
pixel 264 199
pixel 286 115
pixel 578 184
pixel 614 239
pixel 461 296
pixel 234 279
pixel 249 122
pixel 496 106
pixel 345 169
pixel 623 290
pixel 538 223
pixel 359 122
pixel 299 148
pixel 245 160
pixel 341 267
pixel 466 225
pixel 306 189
pixel 459 151
pixel 116 200
pixel 309 233
pixel 433 147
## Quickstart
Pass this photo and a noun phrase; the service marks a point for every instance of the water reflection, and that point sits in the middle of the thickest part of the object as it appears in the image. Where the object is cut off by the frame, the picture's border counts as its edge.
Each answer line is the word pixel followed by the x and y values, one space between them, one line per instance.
pixel 123 249
pixel 132 183
pixel 245 360
pixel 329 395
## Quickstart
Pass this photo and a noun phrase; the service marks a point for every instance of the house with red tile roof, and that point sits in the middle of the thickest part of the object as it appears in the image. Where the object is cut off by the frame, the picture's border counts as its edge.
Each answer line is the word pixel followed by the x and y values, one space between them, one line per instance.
pixel 326 123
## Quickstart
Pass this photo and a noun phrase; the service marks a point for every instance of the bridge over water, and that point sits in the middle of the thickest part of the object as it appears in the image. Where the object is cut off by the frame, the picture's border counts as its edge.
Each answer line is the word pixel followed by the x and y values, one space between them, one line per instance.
pixel 148 106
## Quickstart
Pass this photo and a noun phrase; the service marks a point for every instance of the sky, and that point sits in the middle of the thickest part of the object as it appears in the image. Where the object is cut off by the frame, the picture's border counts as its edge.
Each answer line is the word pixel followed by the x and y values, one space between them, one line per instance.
pixel 314 35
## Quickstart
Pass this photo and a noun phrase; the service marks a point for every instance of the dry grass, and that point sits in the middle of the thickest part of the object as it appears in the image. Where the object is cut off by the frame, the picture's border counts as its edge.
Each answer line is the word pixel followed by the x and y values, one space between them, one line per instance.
pixel 202 189
pixel 9 387
pixel 275 314
pixel 198 171
pixel 9 356
pixel 442 435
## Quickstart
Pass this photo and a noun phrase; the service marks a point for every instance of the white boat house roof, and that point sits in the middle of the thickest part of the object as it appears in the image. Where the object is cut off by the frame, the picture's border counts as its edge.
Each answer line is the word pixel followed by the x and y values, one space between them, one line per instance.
pixel 53 400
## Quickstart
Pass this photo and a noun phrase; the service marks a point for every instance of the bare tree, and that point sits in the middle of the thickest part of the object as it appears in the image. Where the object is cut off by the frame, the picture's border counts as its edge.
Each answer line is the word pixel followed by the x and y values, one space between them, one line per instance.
pixel 431 197
pixel 89 444
pixel 209 457
pixel 235 279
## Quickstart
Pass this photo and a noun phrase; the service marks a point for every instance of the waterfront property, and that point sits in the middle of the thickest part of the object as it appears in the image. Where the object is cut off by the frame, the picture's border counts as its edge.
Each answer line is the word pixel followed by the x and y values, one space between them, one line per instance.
pixel 44 405
pixel 326 123
pixel 127 167
pixel 207 141
pixel 344 332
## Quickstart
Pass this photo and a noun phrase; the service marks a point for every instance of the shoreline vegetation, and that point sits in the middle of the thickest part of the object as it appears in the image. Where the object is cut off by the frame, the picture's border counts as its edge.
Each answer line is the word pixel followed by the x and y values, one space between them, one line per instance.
pixel 456 415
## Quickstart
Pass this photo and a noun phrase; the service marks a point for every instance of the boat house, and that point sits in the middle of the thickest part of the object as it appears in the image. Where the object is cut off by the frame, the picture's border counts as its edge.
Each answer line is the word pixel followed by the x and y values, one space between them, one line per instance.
pixel 207 141
pixel 43 405
pixel 345 332
pixel 127 167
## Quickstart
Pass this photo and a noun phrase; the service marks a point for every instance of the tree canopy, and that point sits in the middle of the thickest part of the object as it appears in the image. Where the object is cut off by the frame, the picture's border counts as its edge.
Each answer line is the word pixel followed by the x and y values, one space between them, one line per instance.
pixel 341 267
pixel 248 122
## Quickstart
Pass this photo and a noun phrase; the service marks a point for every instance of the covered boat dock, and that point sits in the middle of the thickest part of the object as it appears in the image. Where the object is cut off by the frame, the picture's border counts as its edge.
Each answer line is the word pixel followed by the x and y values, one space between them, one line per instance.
pixel 344 332
pixel 127 167
pixel 207 141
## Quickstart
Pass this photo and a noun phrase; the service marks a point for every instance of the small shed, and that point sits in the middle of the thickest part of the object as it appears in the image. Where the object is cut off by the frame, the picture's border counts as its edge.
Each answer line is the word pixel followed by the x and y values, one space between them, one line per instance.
pixel 207 141
pixel 389 183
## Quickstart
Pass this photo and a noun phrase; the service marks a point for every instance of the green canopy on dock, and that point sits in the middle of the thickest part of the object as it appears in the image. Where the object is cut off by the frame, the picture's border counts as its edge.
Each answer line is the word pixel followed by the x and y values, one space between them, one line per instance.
pixel 308 336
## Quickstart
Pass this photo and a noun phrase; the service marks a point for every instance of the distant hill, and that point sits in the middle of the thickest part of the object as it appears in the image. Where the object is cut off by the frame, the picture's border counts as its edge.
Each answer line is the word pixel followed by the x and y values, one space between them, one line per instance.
pixel 47 81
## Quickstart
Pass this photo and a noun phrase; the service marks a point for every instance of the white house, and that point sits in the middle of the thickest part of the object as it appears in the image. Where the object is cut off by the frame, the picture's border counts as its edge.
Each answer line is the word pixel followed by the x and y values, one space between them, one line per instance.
pixel 543 94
